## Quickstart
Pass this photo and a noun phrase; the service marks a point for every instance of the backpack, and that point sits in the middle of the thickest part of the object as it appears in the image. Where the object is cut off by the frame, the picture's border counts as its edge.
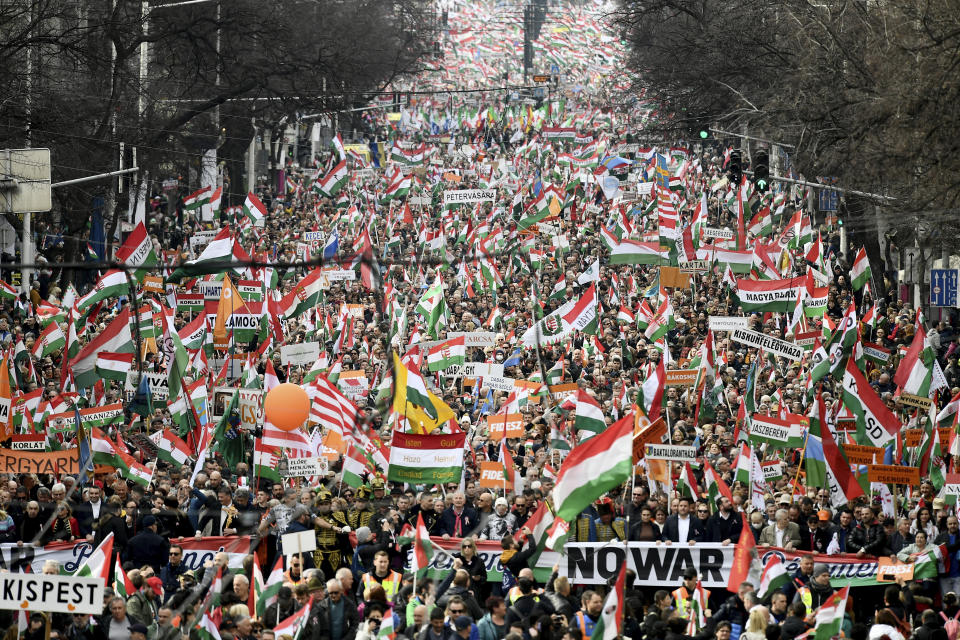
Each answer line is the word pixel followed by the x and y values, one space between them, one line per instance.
pixel 951 625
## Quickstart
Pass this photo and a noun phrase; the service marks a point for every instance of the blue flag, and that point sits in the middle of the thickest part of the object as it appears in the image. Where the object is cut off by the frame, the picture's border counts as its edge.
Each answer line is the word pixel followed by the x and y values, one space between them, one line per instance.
pixel 333 243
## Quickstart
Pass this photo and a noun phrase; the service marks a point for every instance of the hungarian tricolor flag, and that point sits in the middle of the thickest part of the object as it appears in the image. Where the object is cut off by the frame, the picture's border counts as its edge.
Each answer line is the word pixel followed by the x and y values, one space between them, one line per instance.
pixel 422 548
pixel 610 624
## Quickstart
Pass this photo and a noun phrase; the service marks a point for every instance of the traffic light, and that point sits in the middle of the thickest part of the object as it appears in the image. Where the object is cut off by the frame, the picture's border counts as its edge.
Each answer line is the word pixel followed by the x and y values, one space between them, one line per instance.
pixel 736 167
pixel 761 171
pixel 704 134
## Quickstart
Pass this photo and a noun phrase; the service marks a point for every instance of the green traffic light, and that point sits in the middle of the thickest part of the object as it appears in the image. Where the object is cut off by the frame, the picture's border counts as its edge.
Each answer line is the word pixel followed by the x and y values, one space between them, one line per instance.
pixel 704 134
pixel 761 184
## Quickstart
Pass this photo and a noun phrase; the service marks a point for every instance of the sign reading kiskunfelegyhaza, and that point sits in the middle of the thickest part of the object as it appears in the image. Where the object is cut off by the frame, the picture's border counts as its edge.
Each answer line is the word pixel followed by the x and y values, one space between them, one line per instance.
pixel 768 343
pixel 53 594
pixel 469 196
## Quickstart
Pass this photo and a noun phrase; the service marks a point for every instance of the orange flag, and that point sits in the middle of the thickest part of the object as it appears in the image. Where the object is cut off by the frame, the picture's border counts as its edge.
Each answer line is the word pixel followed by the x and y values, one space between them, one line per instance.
pixel 229 302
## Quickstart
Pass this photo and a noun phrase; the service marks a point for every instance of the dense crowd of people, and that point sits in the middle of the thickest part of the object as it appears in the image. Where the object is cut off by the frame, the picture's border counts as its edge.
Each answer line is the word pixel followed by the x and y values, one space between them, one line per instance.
pixel 503 276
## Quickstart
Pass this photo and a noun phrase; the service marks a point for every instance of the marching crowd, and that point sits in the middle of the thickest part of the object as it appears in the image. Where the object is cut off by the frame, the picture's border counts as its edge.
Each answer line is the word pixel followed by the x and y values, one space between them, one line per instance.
pixel 358 583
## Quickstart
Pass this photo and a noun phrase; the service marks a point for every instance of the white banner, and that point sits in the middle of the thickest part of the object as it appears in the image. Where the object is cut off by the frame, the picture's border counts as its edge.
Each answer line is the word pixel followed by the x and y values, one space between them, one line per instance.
pixel 304 353
pixel 305 467
pixel 469 196
pixel 675 452
pixel 727 323
pixel 474 338
pixel 49 593
pixel 776 346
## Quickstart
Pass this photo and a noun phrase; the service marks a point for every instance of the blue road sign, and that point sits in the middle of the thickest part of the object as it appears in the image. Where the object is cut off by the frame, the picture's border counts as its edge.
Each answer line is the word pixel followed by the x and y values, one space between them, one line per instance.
pixel 829 199
pixel 554 69
pixel 943 287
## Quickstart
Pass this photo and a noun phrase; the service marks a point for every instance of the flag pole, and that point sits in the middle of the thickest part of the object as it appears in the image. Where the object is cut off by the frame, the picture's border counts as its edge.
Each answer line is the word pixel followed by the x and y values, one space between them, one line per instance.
pixel 803 453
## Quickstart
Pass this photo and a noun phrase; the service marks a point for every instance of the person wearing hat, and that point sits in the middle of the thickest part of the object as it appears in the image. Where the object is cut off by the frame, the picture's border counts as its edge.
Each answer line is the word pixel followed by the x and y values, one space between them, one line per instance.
pixel 148 547
pixel 500 522
pixel 331 542
pixel 138 631
pixel 142 605
pixel 284 607
pixel 818 590
pixel 607 526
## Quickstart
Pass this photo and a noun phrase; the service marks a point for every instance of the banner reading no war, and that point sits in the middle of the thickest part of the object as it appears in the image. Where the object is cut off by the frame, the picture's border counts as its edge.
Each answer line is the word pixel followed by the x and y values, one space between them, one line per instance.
pixel 661 564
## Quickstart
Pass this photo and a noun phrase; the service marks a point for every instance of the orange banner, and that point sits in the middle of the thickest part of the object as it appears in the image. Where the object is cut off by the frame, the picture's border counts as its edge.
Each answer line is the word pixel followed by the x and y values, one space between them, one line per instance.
pixel 511 422
pixel 491 475
pixel 893 474
pixel 49 462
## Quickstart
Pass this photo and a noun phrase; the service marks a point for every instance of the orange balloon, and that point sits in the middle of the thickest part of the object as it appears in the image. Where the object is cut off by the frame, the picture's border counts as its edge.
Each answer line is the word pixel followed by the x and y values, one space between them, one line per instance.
pixel 286 407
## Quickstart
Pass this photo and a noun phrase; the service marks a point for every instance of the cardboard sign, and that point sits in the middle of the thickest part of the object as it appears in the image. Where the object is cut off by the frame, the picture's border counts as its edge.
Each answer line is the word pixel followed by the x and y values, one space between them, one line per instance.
pixel 305 353
pixel 250 408
pixel 862 454
pixel 52 594
pixel 650 434
pixel 452 177
pixel 772 469
pixel 876 352
pixel 888 570
pixel 672 277
pixel 727 323
pixel 512 422
pixel 912 437
pixel 159 385
pixel 355 310
pixel 944 435
pixel 561 392
pixel 298 543
pixel 918 402
pixel 893 474
pixel 49 462
pixel 491 475
pixel 681 377
pixel 675 452
pixel 305 467
pixel 153 284
pixel 846 424
pixel 28 442
pixel 498 383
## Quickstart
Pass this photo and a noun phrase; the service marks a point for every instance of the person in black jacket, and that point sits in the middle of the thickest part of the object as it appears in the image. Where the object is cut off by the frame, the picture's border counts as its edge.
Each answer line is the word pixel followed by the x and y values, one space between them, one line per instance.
pixel 733 609
pixel 868 537
pixel 725 525
pixel 283 608
pixel 319 624
pixel 683 525
pixel 529 604
pixel 111 522
pixel 795 623
pixel 148 547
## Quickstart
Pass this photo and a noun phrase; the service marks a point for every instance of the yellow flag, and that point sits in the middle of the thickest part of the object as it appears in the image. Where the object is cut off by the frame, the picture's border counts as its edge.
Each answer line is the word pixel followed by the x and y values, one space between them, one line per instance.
pixel 229 302
pixel 420 422
pixel 555 207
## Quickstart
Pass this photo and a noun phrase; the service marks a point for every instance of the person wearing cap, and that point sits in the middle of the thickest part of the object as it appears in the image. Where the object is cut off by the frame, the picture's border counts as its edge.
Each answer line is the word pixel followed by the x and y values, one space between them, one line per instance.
pixel 463 625
pixel 501 522
pixel 138 631
pixel 824 532
pixel 148 547
pixel 817 592
pixel 683 596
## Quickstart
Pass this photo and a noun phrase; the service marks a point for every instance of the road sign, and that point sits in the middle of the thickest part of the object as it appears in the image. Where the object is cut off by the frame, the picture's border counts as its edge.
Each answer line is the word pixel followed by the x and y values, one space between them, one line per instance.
pixel 828 198
pixel 25 180
pixel 943 287
pixel 554 69
pixel 541 78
